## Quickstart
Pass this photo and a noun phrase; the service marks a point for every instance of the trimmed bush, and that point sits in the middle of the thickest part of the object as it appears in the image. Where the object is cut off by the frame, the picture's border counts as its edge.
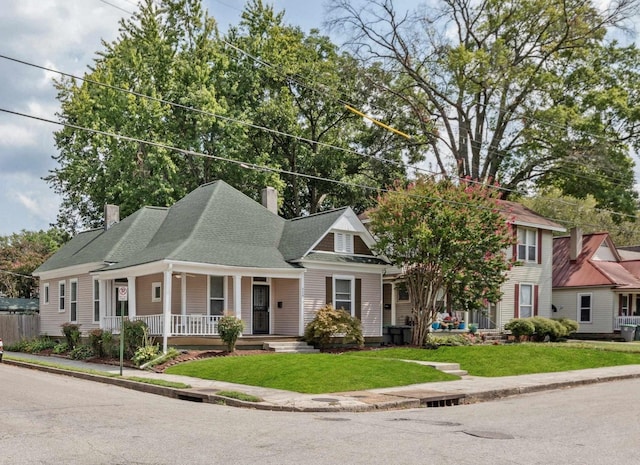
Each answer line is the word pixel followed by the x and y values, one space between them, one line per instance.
pixel 546 327
pixel 570 326
pixel 229 328
pixel 72 334
pixel 520 327
pixel 329 323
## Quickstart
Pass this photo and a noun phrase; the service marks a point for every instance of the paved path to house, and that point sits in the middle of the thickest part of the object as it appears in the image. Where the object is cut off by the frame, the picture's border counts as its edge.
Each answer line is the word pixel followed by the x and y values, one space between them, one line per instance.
pixel 469 389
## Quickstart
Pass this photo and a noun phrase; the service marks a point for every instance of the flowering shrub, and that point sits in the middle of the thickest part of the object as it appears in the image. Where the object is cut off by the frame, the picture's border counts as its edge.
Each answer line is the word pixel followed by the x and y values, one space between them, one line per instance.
pixel 330 322
pixel 229 328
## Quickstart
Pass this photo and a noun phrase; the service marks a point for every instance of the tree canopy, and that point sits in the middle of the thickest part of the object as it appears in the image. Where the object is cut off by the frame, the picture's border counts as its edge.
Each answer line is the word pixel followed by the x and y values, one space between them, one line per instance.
pixel 448 240
pixel 521 92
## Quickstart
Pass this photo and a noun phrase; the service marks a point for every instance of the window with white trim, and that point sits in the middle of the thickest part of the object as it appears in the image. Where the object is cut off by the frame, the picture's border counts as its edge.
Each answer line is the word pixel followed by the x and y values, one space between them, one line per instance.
pixel 216 295
pixel 343 242
pixel 584 308
pixel 527 244
pixel 156 292
pixel 526 300
pixel 96 301
pixel 61 295
pixel 73 300
pixel 45 291
pixel 343 292
pixel 624 304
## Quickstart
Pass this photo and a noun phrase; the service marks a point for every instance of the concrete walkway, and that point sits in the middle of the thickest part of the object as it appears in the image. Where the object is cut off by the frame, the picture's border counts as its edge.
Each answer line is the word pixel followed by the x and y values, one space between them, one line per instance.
pixel 469 389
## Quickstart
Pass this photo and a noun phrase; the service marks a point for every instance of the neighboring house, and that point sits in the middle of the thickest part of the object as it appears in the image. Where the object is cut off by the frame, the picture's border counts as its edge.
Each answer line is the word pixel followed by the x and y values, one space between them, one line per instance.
pixel 213 251
pixel 594 283
pixel 527 290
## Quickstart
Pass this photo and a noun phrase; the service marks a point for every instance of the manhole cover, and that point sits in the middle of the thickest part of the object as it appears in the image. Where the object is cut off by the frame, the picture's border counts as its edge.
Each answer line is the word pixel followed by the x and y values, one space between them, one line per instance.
pixel 324 399
pixel 488 434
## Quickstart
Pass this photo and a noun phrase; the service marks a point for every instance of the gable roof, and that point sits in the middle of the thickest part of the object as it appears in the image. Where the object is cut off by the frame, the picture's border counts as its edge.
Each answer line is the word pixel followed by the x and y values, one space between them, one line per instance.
pixel 214 224
pixel 585 271
pixel 523 216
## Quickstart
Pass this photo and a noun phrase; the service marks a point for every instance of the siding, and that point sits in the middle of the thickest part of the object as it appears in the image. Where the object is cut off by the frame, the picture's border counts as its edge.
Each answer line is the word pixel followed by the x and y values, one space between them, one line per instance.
pixel 604 307
pixel 197 295
pixel 246 303
pixel 326 244
pixel 144 305
pixel 315 298
pixel 285 320
pixel 51 319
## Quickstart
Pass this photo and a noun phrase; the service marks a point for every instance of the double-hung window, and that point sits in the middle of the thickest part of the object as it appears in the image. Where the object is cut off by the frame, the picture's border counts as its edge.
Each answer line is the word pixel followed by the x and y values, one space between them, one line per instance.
pixel 526 300
pixel 96 301
pixel 46 293
pixel 527 244
pixel 216 295
pixel 343 293
pixel 61 296
pixel 73 300
pixel 584 308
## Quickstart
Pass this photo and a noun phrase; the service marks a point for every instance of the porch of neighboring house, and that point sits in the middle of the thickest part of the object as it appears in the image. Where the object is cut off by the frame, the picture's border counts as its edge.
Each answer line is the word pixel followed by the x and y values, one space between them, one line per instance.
pixel 628 310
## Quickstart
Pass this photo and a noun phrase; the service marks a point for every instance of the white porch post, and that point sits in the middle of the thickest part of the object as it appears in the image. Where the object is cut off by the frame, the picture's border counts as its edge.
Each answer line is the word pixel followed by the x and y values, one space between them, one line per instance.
pixel 301 306
pixel 393 303
pixel 237 296
pixel 131 284
pixel 183 294
pixel 166 308
pixel 102 286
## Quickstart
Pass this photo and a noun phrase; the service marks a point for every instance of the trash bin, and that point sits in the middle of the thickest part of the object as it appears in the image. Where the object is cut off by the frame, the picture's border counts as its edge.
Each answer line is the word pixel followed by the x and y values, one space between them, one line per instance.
pixel 637 335
pixel 628 332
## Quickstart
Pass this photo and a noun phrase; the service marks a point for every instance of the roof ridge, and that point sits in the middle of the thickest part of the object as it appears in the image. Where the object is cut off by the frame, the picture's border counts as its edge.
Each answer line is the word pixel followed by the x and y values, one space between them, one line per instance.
pixel 333 210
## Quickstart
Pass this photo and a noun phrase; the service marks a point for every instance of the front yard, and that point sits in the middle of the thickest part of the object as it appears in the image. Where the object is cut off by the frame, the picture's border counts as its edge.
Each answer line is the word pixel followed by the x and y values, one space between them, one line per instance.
pixel 323 373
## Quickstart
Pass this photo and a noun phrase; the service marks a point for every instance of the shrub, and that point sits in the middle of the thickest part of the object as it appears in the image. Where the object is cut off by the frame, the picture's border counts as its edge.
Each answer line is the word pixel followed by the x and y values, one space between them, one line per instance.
pixel 60 348
pixel 72 334
pixel 546 327
pixel 171 353
pixel 434 341
pixel 330 322
pixel 145 354
pixel 570 326
pixel 229 328
pixel 520 327
pixel 134 333
pixel 39 344
pixel 101 343
pixel 18 346
pixel 81 352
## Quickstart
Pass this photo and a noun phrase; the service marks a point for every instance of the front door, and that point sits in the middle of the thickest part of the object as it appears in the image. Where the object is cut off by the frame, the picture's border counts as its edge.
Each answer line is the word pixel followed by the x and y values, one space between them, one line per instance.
pixel 260 309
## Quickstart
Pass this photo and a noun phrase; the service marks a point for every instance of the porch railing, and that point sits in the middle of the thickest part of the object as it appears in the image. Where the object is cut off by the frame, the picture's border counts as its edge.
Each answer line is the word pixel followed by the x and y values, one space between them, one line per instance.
pixel 181 325
pixel 625 320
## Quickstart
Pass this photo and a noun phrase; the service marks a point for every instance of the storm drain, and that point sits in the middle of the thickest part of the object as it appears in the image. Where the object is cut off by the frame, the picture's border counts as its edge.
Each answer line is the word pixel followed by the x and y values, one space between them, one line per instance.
pixel 441 402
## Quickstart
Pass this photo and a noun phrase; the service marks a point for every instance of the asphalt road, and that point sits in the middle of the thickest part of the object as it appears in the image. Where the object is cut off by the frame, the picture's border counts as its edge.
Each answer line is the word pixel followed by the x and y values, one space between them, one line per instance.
pixel 53 419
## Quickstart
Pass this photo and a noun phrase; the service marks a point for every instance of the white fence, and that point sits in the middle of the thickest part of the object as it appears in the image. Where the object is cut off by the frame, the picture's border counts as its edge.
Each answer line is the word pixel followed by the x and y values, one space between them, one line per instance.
pixel 625 320
pixel 181 325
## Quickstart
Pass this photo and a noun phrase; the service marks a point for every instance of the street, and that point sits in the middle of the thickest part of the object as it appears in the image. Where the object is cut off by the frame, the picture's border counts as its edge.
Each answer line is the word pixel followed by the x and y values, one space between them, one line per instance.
pixel 53 419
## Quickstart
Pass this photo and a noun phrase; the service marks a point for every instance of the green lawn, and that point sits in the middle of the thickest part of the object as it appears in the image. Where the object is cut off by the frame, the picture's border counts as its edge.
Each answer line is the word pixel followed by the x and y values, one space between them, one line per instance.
pixel 311 373
pixel 324 373
pixel 518 359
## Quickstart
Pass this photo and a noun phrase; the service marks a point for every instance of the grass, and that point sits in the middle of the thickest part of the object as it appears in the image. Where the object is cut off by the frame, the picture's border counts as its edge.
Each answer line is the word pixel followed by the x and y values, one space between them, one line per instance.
pixel 239 396
pixel 517 359
pixel 158 382
pixel 310 373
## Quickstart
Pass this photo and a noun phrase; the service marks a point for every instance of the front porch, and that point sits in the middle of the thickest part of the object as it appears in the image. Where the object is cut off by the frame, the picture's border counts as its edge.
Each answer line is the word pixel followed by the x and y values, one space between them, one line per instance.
pixel 618 321
pixel 179 325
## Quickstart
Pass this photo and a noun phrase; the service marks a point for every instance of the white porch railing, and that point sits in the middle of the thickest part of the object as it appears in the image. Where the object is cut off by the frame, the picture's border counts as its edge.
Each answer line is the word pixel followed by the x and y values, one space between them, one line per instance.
pixel 625 320
pixel 181 325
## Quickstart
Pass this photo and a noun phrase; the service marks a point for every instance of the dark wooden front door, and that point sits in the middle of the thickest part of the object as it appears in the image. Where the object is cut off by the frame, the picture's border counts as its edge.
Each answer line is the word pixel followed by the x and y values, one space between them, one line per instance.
pixel 260 309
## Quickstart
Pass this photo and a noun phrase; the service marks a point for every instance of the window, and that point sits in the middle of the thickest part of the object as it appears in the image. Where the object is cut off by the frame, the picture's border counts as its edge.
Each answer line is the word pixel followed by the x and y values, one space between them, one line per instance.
pixel 624 305
pixel 96 301
pixel 73 301
pixel 403 292
pixel 216 295
pixel 156 292
pixel 46 293
pixel 343 293
pixel 527 245
pixel 61 296
pixel 526 300
pixel 343 242
pixel 584 308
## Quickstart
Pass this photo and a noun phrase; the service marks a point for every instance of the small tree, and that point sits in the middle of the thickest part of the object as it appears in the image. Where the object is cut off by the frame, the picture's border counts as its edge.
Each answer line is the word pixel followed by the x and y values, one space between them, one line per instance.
pixel 447 238
pixel 229 328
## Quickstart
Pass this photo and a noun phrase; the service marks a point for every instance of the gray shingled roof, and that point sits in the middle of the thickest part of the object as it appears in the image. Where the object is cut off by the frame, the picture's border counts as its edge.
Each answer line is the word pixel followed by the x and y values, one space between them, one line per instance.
pixel 300 234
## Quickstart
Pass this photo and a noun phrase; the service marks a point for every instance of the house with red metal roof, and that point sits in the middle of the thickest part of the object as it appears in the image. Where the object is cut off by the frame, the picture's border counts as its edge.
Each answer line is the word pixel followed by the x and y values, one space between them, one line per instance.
pixel 595 283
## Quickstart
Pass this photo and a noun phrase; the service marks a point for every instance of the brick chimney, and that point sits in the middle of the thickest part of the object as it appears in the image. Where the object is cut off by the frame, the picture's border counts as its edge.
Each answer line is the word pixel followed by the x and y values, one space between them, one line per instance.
pixel 575 243
pixel 111 215
pixel 270 199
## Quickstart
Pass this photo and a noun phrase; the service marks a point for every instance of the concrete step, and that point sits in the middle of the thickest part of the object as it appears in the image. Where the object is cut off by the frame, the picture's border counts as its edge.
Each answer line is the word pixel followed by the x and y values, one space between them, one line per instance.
pixel 456 372
pixel 290 347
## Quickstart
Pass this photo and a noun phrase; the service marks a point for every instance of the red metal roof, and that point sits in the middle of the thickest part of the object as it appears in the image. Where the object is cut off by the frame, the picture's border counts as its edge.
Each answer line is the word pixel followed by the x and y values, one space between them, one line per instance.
pixel 584 271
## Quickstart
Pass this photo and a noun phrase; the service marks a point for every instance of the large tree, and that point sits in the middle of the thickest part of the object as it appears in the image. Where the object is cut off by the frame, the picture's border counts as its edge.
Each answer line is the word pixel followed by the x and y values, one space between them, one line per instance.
pixel 298 84
pixel 168 50
pixel 20 254
pixel 448 240
pixel 520 91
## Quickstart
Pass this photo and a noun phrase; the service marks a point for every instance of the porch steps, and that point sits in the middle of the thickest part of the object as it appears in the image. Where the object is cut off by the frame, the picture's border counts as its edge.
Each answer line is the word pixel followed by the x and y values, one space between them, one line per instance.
pixel 491 336
pixel 296 347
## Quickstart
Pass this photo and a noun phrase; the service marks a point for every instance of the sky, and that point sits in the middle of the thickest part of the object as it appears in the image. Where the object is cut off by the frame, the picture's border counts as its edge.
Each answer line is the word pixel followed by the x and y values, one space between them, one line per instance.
pixel 65 35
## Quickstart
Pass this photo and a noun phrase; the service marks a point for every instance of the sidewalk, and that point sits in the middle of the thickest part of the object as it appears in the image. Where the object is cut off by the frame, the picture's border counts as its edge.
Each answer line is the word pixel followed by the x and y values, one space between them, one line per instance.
pixel 469 389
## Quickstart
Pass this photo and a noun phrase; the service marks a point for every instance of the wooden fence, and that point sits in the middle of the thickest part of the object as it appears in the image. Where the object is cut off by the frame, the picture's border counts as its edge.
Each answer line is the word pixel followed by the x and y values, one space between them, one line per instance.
pixel 14 328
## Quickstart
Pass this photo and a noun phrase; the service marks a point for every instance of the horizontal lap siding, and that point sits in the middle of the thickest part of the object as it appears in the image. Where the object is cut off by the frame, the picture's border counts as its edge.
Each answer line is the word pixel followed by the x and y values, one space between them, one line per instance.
pixel 51 319
pixel 285 319
pixel 144 305
pixel 246 302
pixel 197 295
pixel 604 307
pixel 315 298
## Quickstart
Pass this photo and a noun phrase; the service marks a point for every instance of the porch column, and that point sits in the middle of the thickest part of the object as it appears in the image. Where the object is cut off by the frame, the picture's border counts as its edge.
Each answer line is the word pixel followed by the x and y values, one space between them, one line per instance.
pixel 102 289
pixel 131 284
pixel 166 308
pixel 393 303
pixel 237 296
pixel 301 306
pixel 183 294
